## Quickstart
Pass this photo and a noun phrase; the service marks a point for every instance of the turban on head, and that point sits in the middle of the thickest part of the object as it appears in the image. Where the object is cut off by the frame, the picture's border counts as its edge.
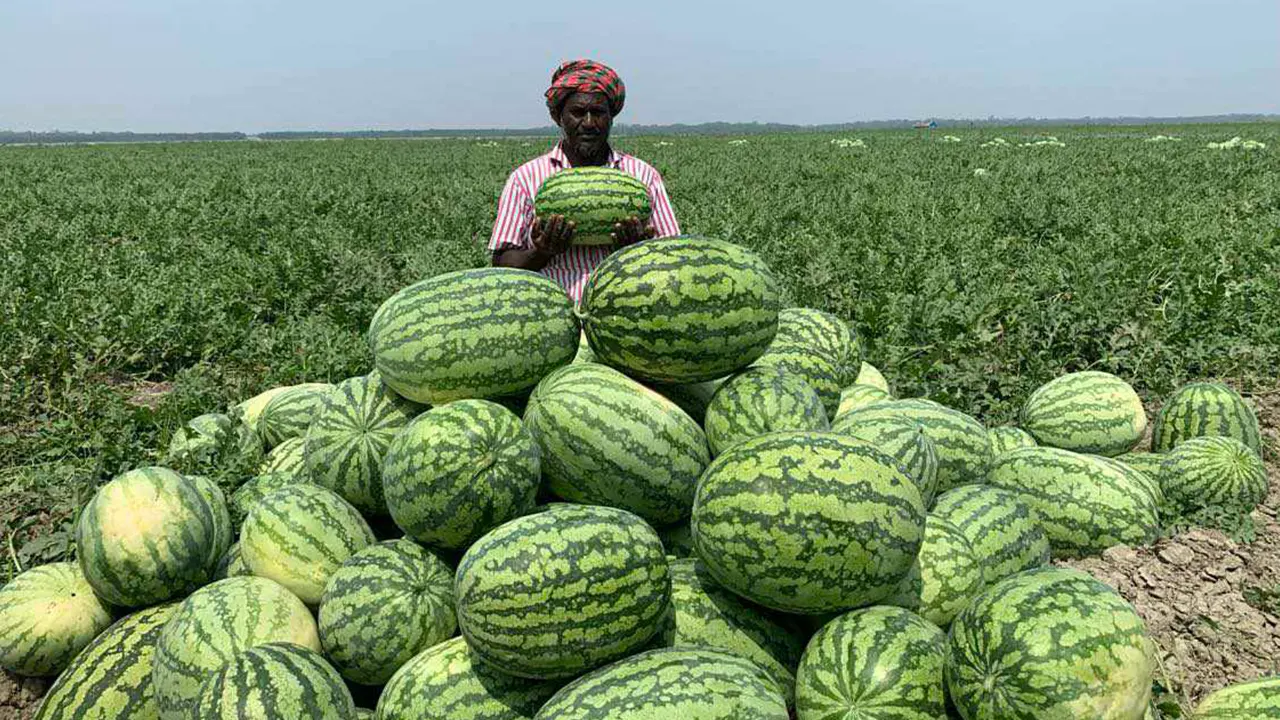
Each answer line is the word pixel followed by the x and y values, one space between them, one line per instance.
pixel 586 76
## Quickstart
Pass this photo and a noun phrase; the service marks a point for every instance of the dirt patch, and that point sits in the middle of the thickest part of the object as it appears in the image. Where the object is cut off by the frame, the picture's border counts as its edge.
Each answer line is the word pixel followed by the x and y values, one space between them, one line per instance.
pixel 19 696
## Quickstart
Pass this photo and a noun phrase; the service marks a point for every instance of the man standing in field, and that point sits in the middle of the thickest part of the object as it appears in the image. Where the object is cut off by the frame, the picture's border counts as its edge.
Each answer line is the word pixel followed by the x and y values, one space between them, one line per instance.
pixel 584 98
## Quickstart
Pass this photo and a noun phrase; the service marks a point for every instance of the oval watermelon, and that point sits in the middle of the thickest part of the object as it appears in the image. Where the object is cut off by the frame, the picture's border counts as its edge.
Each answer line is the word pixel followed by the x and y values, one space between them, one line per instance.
pixel 287 415
pixel 758 401
pixel 961 442
pixel 275 680
pixel 946 576
pixel 1006 438
pixel 249 494
pixel 1244 701
pixel 287 458
pixel 594 199
pixel 1002 529
pixel 825 334
pixel 819 371
pixel 903 439
pixel 1205 409
pixel 1086 412
pixel 48 614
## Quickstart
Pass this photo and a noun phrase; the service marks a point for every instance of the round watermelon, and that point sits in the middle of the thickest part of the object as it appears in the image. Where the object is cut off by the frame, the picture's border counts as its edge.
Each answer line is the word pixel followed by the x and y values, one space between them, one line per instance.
pixel 47 615
pixel 960 441
pixel 1205 409
pixel 247 495
pixel 1213 472
pixel 275 681
pixel 819 371
pixel 1006 438
pixel 946 576
pixel 594 199
pixel 825 334
pixel 758 401
pixel 288 458
pixel 288 414
pixel 1003 531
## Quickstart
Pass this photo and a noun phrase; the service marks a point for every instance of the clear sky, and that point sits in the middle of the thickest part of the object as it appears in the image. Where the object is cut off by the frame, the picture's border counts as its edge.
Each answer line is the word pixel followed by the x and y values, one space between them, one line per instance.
pixel 253 65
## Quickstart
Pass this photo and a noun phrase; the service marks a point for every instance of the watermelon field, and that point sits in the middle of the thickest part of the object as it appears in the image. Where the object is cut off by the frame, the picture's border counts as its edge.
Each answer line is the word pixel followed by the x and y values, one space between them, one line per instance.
pixel 941 394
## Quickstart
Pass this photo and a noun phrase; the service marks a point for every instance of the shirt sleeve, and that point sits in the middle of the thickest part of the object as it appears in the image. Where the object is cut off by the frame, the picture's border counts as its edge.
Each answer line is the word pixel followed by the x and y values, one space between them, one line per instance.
pixel 663 218
pixel 515 217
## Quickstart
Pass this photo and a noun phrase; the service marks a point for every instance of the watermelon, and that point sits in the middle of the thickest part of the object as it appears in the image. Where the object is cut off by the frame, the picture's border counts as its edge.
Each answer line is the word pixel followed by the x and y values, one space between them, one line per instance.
pixel 1086 504
pixel 824 333
pixel 1257 699
pixel 603 586
pixel 946 576
pixel 677 540
pixel 1050 643
pixel 232 564
pixel 1006 438
pixel 289 458
pixel 961 442
pixel 902 438
pixel 147 536
pixel 680 310
pixel 275 680
pixel 199 439
pixel 385 604
pixel 1144 462
pixel 585 353
pixel 249 411
pixel 247 495
pixel 216 623
pixel 807 522
pixel 605 439
pixel 693 398
pixel 1213 472
pixel 483 333
pixel 819 371
pixel 449 681
pixel 879 662
pixel 705 615
pixel 761 400
pixel 856 396
pixel 1086 412
pixel 594 199
pixel 47 615
pixel 671 684
pixel 223 531
pixel 458 471
pixel 299 535
pixel 288 414
pixel 1005 534
pixel 1205 409
pixel 347 441
pixel 111 677
pixel 1137 477
pixel 869 374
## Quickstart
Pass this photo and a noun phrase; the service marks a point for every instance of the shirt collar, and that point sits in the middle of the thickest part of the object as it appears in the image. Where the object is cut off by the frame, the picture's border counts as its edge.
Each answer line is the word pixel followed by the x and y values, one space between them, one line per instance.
pixel 558 157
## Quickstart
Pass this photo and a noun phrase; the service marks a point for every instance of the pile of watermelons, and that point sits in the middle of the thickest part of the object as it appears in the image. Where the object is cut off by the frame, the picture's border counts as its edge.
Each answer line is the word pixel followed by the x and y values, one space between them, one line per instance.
pixel 675 501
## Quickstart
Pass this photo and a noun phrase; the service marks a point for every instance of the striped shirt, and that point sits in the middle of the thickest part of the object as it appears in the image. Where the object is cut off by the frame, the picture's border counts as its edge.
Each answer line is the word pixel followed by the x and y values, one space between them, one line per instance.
pixel 570 269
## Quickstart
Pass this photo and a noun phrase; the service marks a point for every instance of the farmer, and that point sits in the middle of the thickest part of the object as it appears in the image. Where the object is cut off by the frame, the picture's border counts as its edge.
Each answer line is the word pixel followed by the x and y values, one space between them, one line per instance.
pixel 584 98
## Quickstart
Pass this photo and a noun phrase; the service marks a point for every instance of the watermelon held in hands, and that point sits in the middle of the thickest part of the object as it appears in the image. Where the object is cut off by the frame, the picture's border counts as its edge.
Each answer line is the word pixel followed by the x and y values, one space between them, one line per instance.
pixel 275 680
pixel 1203 409
pixel 594 199
pixel 48 614
pixel 1086 412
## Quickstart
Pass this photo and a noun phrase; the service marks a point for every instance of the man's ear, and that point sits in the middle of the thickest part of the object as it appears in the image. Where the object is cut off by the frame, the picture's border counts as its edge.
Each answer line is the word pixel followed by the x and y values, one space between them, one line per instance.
pixel 555 115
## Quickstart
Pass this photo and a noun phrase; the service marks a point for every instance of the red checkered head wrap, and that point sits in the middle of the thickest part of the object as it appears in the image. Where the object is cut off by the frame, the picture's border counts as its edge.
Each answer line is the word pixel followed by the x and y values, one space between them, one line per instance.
pixel 586 76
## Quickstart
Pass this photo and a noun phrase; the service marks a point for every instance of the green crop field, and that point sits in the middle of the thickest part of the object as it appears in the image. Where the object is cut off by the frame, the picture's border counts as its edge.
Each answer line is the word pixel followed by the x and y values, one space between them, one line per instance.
pixel 141 285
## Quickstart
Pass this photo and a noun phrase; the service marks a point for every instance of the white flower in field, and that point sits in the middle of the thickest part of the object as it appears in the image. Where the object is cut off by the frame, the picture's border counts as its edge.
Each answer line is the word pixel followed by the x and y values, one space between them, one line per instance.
pixel 1049 141
pixel 981 172
pixel 1163 138
pixel 663 143
pixel 491 143
pixel 1238 142
pixel 1253 145
pixel 951 138
pixel 849 143
pixel 996 142
pixel 737 142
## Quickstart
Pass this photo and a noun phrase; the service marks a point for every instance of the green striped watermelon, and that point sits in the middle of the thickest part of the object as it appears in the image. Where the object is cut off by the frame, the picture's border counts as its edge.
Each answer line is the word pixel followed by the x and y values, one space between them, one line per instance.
pixel 111 678
pixel 1255 700
pixel 249 411
pixel 856 396
pixel 603 587
pixel 275 681
pixel 299 535
pixel 288 414
pixel 385 604
pixel 824 333
pixel 680 310
pixel 1205 409
pixel 608 440
pixel 199 440
pixel 1050 643
pixel 1137 477
pixel 705 615
pixel 247 495
pixel 961 442
pixel 232 564
pixel 147 536
pixel 761 400
pixel 216 623
pixel 289 458
pixel 903 439
pixel 946 576
pixel 483 333
pixel 1006 438
pixel 671 684
pixel 1144 462
pixel 869 374
pixel 693 398
pixel 807 522
pixel 594 199
pixel 47 615
pixel 1087 412
pixel 819 371
pixel 348 439
pixel 224 532
pixel 460 470
pixel 877 663
pixel 450 681
pixel 1213 472
pixel 1086 504
pixel 1005 534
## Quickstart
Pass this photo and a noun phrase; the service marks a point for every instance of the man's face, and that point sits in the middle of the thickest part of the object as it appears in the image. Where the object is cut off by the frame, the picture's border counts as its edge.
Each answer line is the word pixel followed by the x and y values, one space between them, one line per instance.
pixel 586 121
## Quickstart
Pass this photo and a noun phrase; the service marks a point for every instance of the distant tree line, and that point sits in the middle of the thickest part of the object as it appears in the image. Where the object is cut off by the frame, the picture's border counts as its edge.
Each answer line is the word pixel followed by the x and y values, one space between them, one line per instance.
pixel 10 137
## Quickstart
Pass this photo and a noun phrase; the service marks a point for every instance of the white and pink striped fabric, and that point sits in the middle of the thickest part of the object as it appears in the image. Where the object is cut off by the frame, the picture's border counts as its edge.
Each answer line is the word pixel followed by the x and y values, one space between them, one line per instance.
pixel 512 227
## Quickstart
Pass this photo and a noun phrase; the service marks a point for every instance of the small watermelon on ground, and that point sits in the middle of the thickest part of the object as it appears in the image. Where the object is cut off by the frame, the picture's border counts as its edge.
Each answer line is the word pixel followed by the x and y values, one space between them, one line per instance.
pixel 289 458
pixel 458 471
pixel 594 199
pixel 961 442
pixel 385 604
pixel 1086 412
pixel 817 370
pixel 671 684
pixel 275 680
pixel 216 623
pixel 1004 532
pixel 904 440
pixel 1257 699
pixel 716 313
pixel 1213 472
pixel 47 615
pixel 605 439
pixel 348 439
pixel 1007 437
pixel 758 401
pixel 199 440
pixel 825 334
pixel 880 662
pixel 483 333
pixel 946 576
pixel 869 374
pixel 605 586
pixel 807 522
pixel 1205 409
pixel 247 495
pixel 147 536
pixel 449 680
pixel 1019 624
pixel 288 414
pixel 705 615
pixel 856 396
pixel 299 535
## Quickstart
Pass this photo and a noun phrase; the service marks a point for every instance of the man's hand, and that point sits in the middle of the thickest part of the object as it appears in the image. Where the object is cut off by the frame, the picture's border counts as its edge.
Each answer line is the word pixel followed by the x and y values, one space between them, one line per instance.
pixel 551 235
pixel 632 231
